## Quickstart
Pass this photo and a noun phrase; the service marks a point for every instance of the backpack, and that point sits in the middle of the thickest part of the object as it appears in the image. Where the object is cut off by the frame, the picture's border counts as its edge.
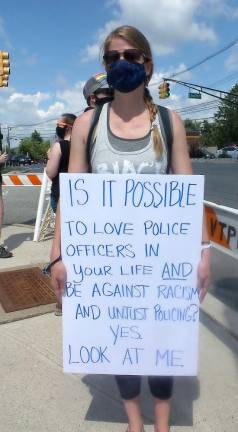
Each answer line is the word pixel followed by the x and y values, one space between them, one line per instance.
pixel 165 124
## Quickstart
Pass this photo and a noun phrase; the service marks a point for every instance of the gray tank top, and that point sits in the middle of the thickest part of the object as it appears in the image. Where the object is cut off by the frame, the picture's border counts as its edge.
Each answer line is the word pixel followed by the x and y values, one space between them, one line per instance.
pixel 111 154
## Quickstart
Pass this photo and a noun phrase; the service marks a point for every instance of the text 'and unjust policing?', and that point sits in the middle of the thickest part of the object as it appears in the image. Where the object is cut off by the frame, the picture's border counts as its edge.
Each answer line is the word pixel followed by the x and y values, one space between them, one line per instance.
pixel 131 246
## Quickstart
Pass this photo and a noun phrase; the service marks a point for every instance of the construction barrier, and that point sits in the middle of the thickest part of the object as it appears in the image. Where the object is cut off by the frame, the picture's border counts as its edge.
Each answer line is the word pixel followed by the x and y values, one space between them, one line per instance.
pixel 222 225
pixel 22 179
pixel 44 222
pixel 40 223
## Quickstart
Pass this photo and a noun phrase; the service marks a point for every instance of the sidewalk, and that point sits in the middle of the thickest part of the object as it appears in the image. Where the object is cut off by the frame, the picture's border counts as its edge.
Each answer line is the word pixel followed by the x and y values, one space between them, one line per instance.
pixel 19 240
pixel 37 397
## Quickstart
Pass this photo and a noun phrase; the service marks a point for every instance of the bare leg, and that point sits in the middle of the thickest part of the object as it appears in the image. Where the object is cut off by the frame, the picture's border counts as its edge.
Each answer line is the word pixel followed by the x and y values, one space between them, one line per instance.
pixel 132 408
pixel 1 213
pixel 162 412
pixel 4 253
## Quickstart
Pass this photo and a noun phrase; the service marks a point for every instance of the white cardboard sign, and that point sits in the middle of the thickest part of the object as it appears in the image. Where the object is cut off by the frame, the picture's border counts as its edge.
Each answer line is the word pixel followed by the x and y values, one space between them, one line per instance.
pixel 131 245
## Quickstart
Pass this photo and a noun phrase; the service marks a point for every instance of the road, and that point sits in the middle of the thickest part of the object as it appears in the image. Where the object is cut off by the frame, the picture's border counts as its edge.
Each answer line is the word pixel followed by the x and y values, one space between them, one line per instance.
pixel 221 179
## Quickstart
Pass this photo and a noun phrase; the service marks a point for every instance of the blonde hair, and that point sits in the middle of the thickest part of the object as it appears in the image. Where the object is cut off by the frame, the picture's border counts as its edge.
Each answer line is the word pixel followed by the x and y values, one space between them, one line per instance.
pixel 135 38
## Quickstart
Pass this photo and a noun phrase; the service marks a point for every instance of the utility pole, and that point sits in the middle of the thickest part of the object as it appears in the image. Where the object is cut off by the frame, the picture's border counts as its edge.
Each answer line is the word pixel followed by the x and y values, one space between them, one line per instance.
pixel 8 138
pixel 1 137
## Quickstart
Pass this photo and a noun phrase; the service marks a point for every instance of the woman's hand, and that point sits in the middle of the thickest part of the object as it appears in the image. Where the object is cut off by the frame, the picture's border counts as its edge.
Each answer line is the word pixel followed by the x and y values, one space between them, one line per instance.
pixel 58 279
pixel 204 273
pixel 3 158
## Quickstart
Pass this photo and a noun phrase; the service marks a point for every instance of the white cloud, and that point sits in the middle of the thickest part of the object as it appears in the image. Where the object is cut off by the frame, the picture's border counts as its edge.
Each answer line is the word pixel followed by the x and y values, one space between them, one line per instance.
pixel 61 80
pixel 35 99
pixel 220 8
pixel 54 110
pixel 73 97
pixel 166 24
pixel 90 53
pixel 20 109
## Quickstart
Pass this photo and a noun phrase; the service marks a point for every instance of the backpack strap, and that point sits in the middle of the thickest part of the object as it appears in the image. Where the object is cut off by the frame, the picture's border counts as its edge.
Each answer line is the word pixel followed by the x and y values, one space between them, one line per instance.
pixel 167 131
pixel 94 122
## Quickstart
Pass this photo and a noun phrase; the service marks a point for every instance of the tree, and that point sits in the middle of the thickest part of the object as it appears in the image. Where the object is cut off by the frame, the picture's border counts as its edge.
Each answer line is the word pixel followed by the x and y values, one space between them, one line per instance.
pixel 226 120
pixel 25 146
pixel 209 134
pixel 35 146
pixel 192 125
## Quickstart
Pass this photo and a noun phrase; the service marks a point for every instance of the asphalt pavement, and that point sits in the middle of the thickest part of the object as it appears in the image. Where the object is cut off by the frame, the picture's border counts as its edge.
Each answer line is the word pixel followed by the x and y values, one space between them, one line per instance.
pixel 36 396
pixel 221 178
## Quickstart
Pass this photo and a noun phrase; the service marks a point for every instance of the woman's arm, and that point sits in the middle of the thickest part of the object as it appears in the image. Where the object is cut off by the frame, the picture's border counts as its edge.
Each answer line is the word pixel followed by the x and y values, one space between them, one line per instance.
pixel 3 158
pixel 78 156
pixel 54 157
pixel 77 163
pixel 180 160
pixel 181 165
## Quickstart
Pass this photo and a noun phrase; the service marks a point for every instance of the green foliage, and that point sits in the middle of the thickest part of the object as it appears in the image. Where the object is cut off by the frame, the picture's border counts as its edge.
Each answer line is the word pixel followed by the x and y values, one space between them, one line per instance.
pixel 34 146
pixel 192 125
pixel 224 130
pixel 209 134
pixel 226 120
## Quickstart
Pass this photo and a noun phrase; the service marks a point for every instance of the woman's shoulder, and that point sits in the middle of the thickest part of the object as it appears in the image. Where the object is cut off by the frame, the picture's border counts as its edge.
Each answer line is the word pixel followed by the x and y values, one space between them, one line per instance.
pixel 84 119
pixel 81 128
pixel 176 119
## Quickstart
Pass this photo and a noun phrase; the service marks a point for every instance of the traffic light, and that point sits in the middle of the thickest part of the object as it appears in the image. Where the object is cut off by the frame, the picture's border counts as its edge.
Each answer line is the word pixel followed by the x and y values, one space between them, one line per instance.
pixel 4 68
pixel 1 137
pixel 164 90
pixel 161 91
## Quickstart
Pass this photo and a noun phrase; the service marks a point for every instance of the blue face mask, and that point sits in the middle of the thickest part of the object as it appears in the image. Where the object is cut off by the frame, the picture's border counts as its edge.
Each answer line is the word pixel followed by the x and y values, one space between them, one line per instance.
pixel 125 76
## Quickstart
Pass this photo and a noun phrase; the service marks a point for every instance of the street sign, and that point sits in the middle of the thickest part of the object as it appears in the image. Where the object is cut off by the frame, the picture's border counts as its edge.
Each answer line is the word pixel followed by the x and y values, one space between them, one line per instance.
pixel 194 95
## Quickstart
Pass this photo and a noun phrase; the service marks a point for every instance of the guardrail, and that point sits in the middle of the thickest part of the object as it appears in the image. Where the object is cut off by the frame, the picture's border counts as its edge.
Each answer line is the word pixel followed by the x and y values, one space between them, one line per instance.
pixel 222 224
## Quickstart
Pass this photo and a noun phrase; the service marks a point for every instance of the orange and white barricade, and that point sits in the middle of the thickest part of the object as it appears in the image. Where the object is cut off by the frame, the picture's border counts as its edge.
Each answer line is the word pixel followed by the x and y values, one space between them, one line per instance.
pixel 32 179
pixel 22 179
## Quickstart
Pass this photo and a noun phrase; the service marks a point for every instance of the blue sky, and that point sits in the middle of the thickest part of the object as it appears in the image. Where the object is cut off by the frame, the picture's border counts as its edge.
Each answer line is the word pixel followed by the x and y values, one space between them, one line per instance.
pixel 54 48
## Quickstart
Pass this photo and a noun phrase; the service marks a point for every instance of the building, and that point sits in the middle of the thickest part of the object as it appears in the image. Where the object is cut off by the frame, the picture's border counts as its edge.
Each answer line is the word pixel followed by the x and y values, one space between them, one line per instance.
pixel 194 140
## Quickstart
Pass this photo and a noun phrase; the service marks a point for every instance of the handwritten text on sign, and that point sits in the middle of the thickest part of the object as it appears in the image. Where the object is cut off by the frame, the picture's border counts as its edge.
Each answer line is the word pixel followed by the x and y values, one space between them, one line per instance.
pixel 131 245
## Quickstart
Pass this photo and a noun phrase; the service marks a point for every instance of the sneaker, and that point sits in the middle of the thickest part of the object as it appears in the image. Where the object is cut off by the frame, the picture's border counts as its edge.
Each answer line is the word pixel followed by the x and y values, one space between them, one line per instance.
pixel 4 253
pixel 58 309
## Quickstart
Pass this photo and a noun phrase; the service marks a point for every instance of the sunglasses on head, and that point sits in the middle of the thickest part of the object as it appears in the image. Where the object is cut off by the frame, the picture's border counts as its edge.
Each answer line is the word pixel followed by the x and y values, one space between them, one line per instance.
pixel 62 124
pixel 106 91
pixel 131 55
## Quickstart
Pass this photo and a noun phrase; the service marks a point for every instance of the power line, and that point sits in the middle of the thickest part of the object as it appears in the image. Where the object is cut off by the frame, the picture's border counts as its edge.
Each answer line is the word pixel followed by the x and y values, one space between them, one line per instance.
pixel 205 59
pixel 200 105
pixel 40 123
pixel 200 62
pixel 225 79
pixel 202 118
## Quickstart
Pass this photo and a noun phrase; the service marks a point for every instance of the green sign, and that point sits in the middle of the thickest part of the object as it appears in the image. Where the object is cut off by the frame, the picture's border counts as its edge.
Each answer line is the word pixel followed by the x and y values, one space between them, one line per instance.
pixel 194 95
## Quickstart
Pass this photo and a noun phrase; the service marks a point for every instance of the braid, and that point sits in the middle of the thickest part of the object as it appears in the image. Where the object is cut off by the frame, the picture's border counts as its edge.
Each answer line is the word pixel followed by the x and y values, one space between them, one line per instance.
pixel 153 112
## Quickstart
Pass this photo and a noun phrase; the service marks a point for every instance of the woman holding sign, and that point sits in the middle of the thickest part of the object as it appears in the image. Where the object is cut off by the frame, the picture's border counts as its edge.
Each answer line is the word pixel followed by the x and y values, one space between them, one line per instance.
pixel 128 138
